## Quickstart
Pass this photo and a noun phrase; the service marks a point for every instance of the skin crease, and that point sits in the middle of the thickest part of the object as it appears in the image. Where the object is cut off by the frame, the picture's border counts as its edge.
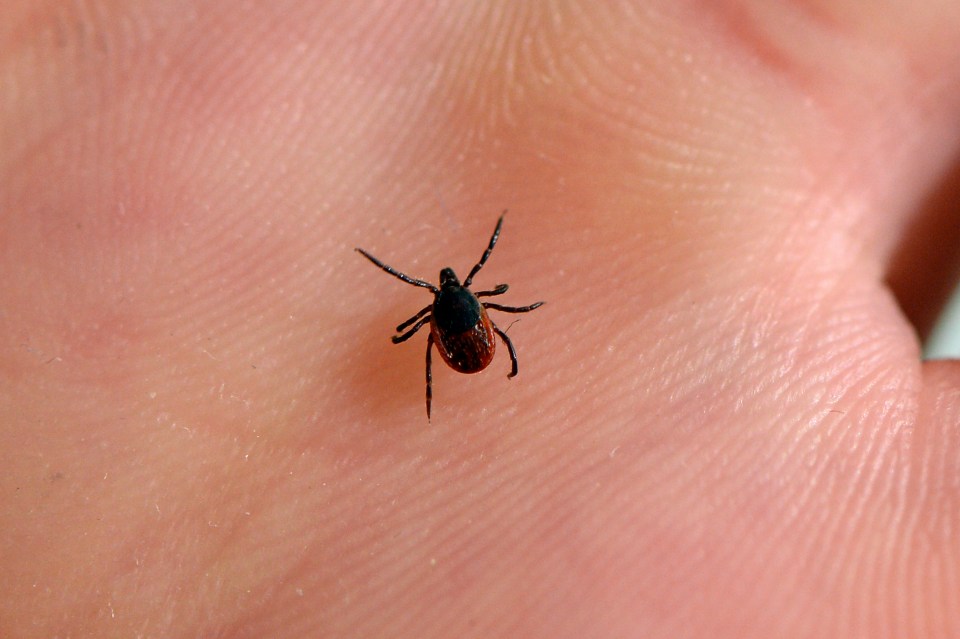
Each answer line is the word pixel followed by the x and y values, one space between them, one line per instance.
pixel 721 426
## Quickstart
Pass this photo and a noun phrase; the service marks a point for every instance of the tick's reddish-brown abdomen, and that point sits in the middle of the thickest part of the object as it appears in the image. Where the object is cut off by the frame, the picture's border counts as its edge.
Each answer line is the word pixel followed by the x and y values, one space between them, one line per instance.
pixel 469 351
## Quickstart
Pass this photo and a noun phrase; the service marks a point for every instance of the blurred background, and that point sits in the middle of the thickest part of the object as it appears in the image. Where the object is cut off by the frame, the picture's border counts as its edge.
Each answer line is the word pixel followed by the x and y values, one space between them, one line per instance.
pixel 945 339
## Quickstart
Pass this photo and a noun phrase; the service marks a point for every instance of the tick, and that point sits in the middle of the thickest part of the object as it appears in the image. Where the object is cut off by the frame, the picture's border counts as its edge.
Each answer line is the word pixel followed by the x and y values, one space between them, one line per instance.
pixel 459 324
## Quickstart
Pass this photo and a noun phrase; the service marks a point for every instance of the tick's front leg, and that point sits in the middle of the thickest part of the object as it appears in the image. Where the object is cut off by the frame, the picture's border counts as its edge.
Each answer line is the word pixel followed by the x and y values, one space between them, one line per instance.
pixel 512 309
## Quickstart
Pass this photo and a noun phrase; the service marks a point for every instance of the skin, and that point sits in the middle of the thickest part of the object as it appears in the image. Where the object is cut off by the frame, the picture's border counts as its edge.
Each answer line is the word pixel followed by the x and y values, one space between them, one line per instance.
pixel 742 216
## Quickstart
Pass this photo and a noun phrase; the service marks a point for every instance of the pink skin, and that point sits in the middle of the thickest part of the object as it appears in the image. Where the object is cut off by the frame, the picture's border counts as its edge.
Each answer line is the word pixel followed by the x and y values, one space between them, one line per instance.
pixel 721 426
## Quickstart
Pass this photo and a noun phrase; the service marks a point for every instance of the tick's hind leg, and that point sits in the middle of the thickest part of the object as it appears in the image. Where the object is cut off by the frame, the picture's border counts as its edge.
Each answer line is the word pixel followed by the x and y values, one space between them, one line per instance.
pixel 513 352
pixel 429 375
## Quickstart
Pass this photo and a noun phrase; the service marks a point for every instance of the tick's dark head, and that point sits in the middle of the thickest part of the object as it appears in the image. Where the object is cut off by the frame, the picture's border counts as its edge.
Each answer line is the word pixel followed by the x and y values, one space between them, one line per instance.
pixel 448 278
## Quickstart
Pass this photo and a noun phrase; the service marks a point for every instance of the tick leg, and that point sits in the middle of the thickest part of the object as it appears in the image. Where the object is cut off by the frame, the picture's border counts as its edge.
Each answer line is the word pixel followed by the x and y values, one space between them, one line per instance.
pixel 396 339
pixel 414 318
pixel 429 375
pixel 486 254
pixel 513 352
pixel 512 309
pixel 396 273
pixel 500 290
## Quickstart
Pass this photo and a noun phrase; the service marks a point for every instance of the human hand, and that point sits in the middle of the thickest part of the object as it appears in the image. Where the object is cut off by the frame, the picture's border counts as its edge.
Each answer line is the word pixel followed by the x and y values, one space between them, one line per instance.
pixel 721 426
